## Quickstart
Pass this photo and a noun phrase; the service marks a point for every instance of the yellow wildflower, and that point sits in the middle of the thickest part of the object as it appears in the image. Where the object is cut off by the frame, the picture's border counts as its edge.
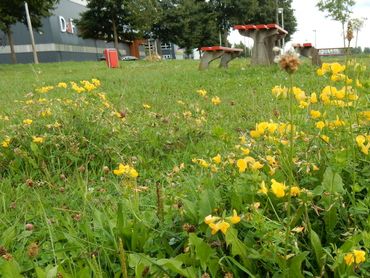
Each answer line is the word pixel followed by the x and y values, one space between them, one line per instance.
pixel 313 98
pixel 46 112
pixel 256 165
pixel 27 121
pixel 62 85
pixel 202 92
pixel 303 104
pixel 320 125
pixel 235 218
pixel 315 114
pixel 299 94
pixel 295 191
pixel 210 219
pixel 6 142
pixel 279 91
pixel 245 151
pixel 263 189
pixel 38 139
pixel 278 188
pixel 96 82
pixel 224 226
pixel 217 159
pixel 216 100
pixel 146 106
pixel 203 163
pixel 356 256
pixel 325 138
pixel 242 165
pixel 187 114
pixel 337 68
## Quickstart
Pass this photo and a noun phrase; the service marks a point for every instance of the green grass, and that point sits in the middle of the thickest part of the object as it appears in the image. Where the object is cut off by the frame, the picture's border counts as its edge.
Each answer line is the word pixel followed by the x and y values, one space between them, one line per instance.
pixel 80 210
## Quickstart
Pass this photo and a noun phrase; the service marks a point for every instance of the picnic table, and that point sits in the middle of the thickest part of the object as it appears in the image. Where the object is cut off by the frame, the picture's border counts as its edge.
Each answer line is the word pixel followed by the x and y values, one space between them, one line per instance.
pixel 307 50
pixel 265 37
pixel 211 53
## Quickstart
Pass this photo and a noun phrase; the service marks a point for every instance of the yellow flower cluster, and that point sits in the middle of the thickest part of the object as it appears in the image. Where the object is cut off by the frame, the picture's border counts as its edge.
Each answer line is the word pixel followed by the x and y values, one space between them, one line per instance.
pixel 62 85
pixel 27 122
pixel 126 170
pixel 333 68
pixel 202 92
pixel 146 106
pixel 269 128
pixel 356 256
pixel 332 96
pixel 278 189
pixel 216 100
pixel 248 162
pixel 280 92
pixel 44 89
pixel 6 142
pixel 88 86
pixel 38 139
pixel 200 162
pixel 46 112
pixel 361 140
pixel 218 224
pixel 77 88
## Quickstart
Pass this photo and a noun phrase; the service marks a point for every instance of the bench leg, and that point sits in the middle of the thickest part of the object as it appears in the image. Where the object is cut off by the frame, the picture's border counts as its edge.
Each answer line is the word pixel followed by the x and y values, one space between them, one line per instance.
pixel 227 57
pixel 208 57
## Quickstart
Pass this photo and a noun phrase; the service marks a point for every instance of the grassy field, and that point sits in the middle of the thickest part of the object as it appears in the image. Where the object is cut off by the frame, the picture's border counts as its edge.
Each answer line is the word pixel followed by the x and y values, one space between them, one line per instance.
pixel 158 170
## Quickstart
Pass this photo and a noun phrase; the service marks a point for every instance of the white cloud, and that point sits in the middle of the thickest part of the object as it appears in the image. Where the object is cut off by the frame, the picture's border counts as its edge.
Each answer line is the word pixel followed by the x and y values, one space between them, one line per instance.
pixel 328 32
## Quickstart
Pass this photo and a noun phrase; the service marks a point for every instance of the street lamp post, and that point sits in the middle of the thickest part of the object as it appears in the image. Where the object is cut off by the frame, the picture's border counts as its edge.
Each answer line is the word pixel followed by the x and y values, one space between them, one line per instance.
pixel 315 37
pixel 281 11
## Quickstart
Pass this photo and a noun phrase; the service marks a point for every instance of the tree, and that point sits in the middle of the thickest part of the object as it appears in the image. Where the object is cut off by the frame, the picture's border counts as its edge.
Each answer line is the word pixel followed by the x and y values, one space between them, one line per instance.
pixel 188 23
pixel 234 12
pixel 117 20
pixel 338 10
pixel 12 11
pixel 357 25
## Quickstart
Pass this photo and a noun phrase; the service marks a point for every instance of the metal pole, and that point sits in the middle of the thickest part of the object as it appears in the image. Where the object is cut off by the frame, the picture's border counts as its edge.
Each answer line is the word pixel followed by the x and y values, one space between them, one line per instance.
pixel 315 38
pixel 29 24
pixel 282 24
pixel 220 36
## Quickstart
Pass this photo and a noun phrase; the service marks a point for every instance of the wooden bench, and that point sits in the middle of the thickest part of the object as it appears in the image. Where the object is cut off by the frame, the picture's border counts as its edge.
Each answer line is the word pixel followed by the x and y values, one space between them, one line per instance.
pixel 211 53
pixel 307 50
pixel 265 37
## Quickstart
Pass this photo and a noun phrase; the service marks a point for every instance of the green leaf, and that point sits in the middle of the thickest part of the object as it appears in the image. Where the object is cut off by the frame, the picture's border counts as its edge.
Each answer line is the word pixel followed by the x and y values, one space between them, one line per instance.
pixel 35 149
pixel 238 248
pixel 206 204
pixel 10 269
pixel 52 272
pixel 203 252
pixel 317 247
pixel 295 265
pixel 330 219
pixel 176 266
pixel 40 272
pixel 332 182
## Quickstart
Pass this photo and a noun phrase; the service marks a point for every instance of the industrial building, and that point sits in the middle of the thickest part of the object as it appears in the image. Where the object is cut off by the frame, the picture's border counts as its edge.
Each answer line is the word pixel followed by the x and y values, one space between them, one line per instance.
pixel 57 40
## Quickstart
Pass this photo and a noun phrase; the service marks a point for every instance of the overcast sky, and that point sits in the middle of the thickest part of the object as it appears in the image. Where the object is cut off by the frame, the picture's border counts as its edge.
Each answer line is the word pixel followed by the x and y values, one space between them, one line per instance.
pixel 328 32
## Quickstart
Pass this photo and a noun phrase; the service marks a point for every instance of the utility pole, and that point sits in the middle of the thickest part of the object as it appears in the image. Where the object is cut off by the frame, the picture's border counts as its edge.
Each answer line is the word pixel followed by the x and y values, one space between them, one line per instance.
pixel 29 24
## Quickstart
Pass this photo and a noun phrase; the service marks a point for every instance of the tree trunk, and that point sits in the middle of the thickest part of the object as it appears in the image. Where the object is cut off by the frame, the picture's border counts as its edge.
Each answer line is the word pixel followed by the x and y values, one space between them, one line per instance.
pixel 225 34
pixel 344 35
pixel 115 36
pixel 11 44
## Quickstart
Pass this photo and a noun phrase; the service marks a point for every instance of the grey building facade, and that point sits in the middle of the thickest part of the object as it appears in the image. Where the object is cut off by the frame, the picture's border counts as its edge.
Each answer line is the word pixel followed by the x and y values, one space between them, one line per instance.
pixel 57 40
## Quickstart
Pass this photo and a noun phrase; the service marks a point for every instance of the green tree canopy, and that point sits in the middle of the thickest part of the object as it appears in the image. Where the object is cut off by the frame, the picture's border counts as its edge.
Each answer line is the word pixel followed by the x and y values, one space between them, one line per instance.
pixel 339 10
pixel 117 20
pixel 187 23
pixel 13 11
